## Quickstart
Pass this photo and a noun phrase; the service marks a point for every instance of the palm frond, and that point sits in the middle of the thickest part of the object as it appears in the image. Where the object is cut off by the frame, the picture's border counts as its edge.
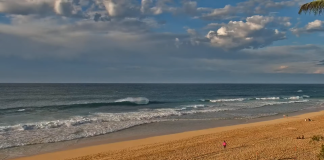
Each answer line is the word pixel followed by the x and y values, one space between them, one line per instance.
pixel 316 7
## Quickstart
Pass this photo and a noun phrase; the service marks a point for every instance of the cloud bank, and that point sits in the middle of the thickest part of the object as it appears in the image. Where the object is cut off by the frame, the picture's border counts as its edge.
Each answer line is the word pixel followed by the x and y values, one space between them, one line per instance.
pixel 124 37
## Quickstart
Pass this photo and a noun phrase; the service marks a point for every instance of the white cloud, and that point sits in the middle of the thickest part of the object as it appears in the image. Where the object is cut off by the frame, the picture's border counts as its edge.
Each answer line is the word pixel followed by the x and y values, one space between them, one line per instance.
pixel 311 27
pixel 317 24
pixel 256 32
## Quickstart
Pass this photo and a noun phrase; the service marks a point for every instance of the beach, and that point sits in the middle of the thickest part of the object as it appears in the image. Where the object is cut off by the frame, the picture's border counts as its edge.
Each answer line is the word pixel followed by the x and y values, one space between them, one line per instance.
pixel 273 139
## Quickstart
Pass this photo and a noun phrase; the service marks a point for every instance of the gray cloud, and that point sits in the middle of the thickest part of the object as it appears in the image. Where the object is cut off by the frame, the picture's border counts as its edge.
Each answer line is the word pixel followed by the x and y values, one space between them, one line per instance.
pixel 68 8
pixel 190 7
pixel 44 7
pixel 93 51
pixel 249 8
pixel 122 8
pixel 103 9
pixel 48 38
pixel 321 62
pixel 290 59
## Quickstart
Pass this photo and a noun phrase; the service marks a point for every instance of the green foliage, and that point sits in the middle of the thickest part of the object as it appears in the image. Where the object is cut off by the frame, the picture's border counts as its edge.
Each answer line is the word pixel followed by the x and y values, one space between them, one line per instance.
pixel 321 154
pixel 316 7
pixel 317 138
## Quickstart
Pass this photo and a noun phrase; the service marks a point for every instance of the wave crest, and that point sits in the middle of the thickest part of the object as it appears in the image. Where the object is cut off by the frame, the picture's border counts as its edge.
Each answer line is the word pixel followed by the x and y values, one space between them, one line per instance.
pixel 136 100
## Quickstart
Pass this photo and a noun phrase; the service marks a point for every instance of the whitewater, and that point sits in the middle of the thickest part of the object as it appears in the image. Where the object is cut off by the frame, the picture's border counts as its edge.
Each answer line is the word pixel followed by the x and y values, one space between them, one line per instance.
pixel 46 113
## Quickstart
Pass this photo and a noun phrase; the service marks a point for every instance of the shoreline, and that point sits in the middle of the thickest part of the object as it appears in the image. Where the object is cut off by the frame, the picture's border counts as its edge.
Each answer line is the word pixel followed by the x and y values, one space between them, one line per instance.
pixel 95 148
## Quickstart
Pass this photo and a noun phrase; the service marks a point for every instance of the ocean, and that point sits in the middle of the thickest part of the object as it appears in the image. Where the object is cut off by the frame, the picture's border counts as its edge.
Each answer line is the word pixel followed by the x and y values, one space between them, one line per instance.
pixel 46 113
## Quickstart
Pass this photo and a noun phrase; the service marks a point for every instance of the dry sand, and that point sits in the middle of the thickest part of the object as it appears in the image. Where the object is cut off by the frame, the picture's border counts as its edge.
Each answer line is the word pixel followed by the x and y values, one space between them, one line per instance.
pixel 275 139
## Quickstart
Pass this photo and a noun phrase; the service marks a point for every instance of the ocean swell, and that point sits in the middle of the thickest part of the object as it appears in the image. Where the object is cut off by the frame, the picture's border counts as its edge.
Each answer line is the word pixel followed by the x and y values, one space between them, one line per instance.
pixel 129 101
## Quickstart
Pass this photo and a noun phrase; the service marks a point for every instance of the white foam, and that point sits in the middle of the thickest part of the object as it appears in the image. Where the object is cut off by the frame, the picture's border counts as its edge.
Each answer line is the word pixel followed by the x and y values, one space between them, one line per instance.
pixel 257 98
pixel 268 98
pixel 193 106
pixel 288 102
pixel 249 116
pixel 102 123
pixel 294 97
pixel 136 100
pixel 227 100
pixel 300 91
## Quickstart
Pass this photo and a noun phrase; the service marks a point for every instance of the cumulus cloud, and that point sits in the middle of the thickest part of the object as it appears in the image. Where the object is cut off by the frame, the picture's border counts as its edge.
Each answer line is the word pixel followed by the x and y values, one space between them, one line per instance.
pixel 311 27
pixel 255 32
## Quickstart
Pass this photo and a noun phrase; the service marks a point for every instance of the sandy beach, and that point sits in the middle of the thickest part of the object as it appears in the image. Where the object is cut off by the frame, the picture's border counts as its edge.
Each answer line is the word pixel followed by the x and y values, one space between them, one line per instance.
pixel 274 139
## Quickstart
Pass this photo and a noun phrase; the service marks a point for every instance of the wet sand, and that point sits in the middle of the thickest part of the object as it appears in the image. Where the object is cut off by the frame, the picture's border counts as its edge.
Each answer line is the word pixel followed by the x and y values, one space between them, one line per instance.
pixel 273 139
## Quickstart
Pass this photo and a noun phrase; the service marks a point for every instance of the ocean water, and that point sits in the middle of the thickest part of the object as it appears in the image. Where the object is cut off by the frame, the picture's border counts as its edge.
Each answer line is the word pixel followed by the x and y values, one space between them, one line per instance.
pixel 46 113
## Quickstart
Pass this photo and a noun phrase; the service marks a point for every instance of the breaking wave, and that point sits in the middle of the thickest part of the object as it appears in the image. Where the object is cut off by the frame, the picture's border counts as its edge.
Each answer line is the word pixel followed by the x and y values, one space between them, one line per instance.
pixel 103 123
pixel 138 100
pixel 129 101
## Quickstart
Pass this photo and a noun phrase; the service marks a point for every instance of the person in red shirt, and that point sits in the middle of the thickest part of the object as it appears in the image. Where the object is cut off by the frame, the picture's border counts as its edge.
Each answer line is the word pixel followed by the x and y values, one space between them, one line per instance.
pixel 224 144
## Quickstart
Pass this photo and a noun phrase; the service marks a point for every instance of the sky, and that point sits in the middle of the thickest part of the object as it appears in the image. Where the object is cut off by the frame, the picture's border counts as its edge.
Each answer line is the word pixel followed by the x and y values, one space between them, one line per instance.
pixel 160 41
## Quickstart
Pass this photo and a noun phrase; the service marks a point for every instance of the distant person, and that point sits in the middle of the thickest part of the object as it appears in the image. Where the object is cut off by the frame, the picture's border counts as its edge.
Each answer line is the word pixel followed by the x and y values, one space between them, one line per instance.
pixel 302 137
pixel 224 144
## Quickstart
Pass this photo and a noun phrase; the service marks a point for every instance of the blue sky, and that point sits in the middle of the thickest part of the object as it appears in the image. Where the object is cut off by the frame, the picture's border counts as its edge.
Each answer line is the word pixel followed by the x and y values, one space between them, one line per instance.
pixel 160 41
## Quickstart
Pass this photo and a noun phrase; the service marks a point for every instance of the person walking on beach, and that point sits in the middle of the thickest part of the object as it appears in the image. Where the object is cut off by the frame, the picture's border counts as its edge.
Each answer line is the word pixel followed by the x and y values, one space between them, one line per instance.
pixel 224 144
